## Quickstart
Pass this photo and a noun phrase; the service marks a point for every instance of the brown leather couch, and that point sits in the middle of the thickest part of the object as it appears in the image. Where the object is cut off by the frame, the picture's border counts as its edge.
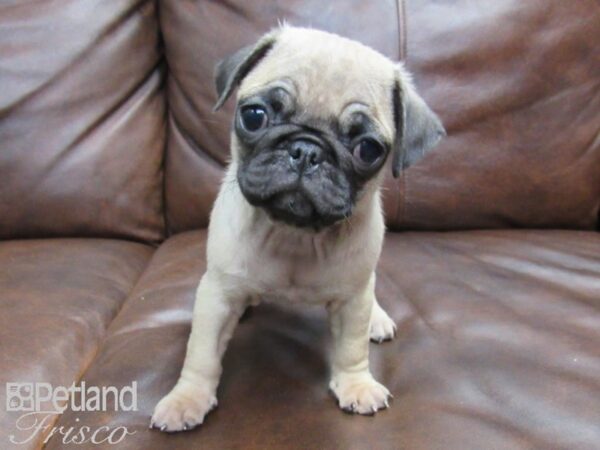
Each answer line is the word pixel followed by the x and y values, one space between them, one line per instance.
pixel 110 159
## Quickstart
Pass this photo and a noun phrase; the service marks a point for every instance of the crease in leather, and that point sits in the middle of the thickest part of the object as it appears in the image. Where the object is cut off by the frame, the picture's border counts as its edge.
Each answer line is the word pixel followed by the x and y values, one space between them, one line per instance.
pixel 519 106
pixel 195 147
pixel 593 145
pixel 75 59
pixel 146 325
pixel 178 85
pixel 576 378
pixel 417 310
pixel 163 167
pixel 134 290
pixel 231 7
pixel 526 319
pixel 533 404
pixel 165 119
pixel 399 209
pixel 523 274
pixel 498 424
pixel 185 133
pixel 128 100
pixel 150 324
pixel 90 360
pixel 486 265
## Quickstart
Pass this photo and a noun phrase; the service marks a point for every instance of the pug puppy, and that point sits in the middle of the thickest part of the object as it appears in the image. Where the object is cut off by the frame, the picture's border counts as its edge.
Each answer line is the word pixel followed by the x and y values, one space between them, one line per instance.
pixel 298 217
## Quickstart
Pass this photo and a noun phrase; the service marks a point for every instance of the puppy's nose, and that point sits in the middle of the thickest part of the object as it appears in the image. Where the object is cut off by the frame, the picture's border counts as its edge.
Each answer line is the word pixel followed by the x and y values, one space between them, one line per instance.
pixel 305 154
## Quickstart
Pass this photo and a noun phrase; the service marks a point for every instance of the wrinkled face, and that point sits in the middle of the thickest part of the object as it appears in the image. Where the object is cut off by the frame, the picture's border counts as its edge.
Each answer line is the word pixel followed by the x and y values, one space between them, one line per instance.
pixel 306 171
pixel 302 169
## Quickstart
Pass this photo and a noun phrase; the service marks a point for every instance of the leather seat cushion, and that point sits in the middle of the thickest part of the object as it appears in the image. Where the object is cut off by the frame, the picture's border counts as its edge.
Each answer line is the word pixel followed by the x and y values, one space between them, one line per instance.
pixel 57 297
pixel 497 347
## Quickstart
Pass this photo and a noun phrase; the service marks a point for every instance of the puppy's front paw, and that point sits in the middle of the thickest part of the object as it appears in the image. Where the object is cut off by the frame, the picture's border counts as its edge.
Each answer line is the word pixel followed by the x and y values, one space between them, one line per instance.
pixel 382 327
pixel 180 411
pixel 360 394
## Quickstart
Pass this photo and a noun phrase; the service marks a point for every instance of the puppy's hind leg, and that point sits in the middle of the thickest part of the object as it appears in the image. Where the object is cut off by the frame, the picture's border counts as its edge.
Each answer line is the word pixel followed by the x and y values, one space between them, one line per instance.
pixel 215 317
pixel 382 327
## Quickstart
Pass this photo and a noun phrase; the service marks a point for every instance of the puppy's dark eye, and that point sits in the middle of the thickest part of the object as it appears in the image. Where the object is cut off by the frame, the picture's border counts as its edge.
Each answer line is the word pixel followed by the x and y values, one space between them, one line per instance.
pixel 254 118
pixel 368 152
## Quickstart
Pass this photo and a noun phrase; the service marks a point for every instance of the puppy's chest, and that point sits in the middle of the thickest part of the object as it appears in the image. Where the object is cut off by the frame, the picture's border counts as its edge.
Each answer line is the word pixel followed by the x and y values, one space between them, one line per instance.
pixel 295 270
pixel 291 282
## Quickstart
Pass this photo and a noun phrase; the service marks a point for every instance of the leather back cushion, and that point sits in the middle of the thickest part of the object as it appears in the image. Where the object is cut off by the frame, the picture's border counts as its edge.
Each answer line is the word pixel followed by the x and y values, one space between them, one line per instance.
pixel 517 84
pixel 81 119
pixel 514 82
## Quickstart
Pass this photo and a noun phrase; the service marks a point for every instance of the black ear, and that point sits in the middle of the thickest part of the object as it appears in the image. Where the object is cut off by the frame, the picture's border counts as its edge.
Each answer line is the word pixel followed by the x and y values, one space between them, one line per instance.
pixel 231 71
pixel 417 127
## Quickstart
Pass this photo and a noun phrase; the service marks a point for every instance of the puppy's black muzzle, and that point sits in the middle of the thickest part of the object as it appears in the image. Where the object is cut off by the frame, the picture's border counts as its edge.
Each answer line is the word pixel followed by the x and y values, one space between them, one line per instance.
pixel 292 173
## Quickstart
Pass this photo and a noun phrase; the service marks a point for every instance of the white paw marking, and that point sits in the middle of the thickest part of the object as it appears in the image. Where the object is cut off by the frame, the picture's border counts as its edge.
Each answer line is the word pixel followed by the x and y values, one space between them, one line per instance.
pixel 181 411
pixel 360 394
pixel 382 327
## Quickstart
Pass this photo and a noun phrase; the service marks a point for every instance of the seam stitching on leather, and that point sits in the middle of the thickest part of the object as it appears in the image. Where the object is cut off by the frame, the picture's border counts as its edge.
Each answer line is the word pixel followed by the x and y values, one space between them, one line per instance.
pixel 400 185
pixel 167 129
pixel 401 15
